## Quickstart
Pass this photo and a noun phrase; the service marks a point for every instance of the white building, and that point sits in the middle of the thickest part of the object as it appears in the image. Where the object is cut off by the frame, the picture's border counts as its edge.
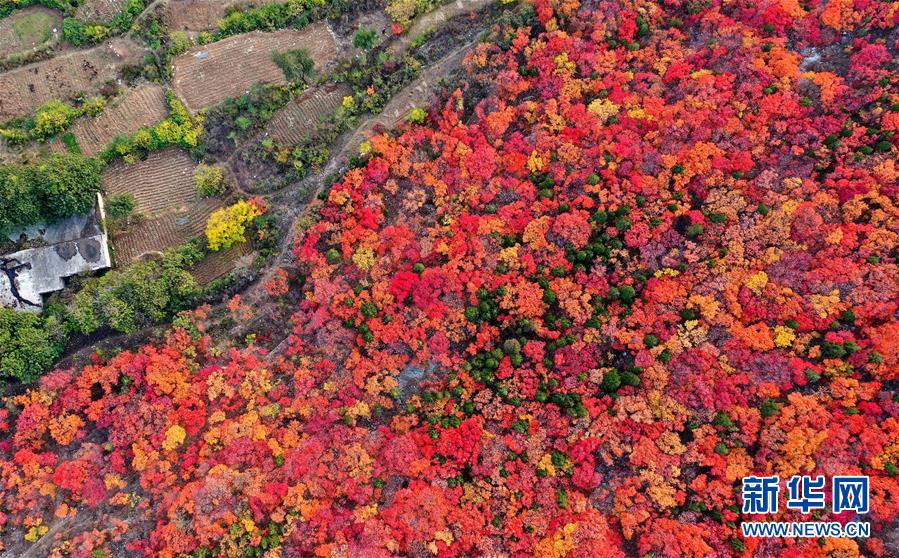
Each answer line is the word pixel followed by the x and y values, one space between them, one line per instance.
pixel 51 254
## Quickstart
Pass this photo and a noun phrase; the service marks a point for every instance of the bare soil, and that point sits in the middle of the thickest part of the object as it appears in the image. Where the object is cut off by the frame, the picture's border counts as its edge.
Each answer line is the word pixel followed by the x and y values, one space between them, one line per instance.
pixel 24 89
pixel 136 108
pixel 209 74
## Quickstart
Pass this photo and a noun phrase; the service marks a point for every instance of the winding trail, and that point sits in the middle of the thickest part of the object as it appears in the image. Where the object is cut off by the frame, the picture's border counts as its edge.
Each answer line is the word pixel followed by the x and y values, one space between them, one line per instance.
pixel 435 18
pixel 416 94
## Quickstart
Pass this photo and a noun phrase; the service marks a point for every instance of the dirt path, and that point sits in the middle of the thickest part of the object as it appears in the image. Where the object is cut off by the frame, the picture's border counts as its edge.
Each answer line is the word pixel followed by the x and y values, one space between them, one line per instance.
pixel 435 19
pixel 148 9
pixel 416 94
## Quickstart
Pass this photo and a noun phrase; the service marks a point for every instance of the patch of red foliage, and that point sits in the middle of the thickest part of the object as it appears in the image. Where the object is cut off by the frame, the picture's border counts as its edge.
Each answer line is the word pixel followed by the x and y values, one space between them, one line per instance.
pixel 648 249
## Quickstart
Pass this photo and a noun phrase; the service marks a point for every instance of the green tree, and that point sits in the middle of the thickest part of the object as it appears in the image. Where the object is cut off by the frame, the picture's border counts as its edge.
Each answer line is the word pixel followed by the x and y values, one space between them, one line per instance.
pixel 65 185
pixel 29 344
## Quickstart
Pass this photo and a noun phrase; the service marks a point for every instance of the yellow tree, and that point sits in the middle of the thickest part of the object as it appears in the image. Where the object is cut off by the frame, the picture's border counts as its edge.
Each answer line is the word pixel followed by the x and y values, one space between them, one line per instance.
pixel 227 226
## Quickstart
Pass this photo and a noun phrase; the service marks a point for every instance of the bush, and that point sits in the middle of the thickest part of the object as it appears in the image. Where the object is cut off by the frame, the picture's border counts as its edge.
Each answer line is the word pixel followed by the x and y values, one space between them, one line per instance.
pixel 366 39
pixel 297 65
pixel 417 115
pixel 210 181
pixel 179 42
pixel 120 207
pixel 28 344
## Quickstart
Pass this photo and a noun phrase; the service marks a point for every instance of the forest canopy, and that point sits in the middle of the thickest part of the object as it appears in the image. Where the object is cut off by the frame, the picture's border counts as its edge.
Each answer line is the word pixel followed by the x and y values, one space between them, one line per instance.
pixel 639 251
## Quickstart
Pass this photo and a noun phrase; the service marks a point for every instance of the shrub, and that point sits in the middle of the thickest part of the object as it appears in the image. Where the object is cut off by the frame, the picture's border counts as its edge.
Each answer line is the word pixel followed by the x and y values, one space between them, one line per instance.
pixel 297 65
pixel 120 207
pixel 366 39
pixel 210 181
pixel 179 42
pixel 417 115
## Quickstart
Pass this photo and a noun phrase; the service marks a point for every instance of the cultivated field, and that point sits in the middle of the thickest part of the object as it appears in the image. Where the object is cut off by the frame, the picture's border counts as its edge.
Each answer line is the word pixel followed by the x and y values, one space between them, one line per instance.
pixel 218 264
pixel 134 109
pixel 300 118
pixel 27 29
pixel 156 234
pixel 207 75
pixel 162 183
pixel 82 71
pixel 100 11
pixel 196 15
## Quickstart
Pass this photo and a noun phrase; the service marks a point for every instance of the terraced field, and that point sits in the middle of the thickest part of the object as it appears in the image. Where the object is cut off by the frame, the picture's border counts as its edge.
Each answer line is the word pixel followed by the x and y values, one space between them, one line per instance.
pixel 24 89
pixel 28 29
pixel 300 118
pixel 163 182
pixel 209 74
pixel 135 109
pixel 219 264
pixel 156 234
pixel 196 15
pixel 99 10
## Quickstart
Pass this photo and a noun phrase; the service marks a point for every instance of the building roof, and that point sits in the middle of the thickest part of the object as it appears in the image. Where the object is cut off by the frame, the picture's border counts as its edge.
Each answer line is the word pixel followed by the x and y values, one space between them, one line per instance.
pixel 59 251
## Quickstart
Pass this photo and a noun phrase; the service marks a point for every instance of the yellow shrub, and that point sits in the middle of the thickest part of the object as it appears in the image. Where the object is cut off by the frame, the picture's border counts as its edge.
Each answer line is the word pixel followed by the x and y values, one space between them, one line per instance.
pixel 226 227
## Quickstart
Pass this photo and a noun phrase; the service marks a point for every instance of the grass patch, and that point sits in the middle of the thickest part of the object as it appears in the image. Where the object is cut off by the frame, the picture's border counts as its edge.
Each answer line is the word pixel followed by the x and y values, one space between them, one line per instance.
pixel 33 28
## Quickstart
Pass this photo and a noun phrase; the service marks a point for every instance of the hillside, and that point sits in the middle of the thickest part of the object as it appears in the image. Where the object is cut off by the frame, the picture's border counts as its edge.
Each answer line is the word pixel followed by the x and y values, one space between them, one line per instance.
pixel 642 249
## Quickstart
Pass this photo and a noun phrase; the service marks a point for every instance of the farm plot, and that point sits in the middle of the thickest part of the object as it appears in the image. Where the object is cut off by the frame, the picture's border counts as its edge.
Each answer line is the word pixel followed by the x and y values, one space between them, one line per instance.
pixel 207 75
pixel 100 10
pixel 24 89
pixel 292 124
pixel 156 234
pixel 218 264
pixel 196 15
pixel 135 109
pixel 28 29
pixel 163 182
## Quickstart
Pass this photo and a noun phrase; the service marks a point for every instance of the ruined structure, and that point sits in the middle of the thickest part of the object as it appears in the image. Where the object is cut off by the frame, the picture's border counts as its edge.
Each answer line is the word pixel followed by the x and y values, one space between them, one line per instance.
pixel 51 254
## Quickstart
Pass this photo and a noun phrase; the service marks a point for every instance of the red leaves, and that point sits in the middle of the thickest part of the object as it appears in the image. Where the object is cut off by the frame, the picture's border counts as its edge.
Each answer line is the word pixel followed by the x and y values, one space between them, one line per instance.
pixel 402 284
pixel 560 320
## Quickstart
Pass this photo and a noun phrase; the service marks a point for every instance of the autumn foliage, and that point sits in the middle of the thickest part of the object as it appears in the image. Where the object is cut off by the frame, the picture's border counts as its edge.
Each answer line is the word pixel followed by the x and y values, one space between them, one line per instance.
pixel 646 249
